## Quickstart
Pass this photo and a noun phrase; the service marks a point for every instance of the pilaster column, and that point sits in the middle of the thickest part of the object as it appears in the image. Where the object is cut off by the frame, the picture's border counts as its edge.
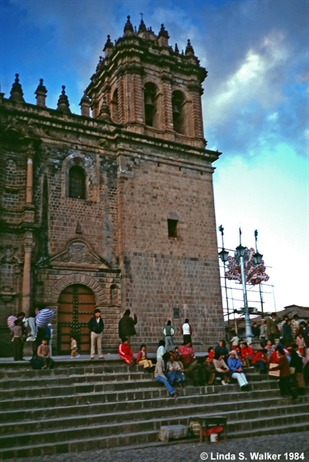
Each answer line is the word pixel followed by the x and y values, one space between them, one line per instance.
pixel 196 114
pixel 26 289
pixel 167 108
pixel 29 180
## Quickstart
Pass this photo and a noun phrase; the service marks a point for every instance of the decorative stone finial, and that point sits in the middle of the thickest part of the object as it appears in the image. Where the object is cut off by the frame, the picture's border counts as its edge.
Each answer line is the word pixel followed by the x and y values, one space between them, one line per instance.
pixel 104 112
pixel 163 37
pixel 16 91
pixel 85 106
pixel 63 102
pixel 40 93
pixel 142 27
pixel 128 28
pixel 163 32
pixel 189 49
pixel 176 48
pixel 108 47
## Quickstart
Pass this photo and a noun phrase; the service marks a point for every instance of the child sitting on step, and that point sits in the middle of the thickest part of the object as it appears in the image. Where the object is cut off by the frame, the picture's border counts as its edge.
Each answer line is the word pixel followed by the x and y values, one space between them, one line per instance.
pixel 43 354
pixel 142 360
pixel 125 352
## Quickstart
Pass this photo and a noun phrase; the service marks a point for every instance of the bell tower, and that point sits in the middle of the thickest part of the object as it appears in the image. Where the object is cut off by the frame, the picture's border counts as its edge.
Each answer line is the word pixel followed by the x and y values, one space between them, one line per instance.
pixel 149 87
pixel 149 95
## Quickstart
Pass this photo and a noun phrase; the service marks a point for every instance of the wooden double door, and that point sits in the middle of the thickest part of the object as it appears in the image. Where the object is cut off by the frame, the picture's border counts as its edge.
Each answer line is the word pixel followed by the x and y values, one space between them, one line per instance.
pixel 75 307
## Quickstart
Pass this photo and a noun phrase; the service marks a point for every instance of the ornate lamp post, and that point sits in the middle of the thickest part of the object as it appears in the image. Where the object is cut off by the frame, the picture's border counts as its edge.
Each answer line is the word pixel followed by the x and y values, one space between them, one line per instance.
pixel 224 255
pixel 241 253
pixel 257 259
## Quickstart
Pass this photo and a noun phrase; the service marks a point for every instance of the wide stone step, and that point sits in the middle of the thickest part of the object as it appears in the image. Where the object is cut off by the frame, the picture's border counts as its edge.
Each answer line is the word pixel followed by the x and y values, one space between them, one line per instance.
pixel 122 413
pixel 60 380
pixel 190 396
pixel 271 424
pixel 81 444
pixel 102 367
pixel 86 394
pixel 15 380
pixel 117 371
pixel 76 388
pixel 54 386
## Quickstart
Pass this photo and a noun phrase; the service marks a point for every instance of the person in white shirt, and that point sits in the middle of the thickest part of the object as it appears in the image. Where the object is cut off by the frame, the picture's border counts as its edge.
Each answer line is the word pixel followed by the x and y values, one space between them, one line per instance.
pixel 186 330
pixel 161 350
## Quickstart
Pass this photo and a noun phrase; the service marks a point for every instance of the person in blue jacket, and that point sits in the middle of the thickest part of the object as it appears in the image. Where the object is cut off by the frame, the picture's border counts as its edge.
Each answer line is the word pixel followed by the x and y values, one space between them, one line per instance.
pixel 236 370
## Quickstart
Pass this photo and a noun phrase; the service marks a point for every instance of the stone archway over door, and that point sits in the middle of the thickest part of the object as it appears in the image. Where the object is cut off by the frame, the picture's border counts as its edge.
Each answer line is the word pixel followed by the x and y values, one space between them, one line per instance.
pixel 76 305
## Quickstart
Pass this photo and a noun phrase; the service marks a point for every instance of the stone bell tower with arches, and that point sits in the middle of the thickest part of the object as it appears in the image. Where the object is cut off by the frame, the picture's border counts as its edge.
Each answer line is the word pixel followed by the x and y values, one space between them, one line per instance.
pixel 167 245
pixel 113 208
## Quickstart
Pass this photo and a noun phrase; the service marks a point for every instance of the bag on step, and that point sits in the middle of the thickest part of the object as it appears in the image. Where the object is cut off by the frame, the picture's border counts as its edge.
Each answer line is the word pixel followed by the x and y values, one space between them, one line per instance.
pixel 36 363
pixel 273 373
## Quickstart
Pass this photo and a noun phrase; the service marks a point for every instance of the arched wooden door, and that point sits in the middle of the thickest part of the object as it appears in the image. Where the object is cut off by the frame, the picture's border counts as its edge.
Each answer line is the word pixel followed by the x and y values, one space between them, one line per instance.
pixel 75 307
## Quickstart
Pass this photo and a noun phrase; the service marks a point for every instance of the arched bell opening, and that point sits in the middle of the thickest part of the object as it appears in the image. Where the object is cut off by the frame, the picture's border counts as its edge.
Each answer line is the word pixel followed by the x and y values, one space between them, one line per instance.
pixel 178 101
pixel 151 103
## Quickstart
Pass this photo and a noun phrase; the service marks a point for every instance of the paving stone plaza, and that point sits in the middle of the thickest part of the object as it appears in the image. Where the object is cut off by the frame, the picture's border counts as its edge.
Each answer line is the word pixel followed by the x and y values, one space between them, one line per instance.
pixel 283 446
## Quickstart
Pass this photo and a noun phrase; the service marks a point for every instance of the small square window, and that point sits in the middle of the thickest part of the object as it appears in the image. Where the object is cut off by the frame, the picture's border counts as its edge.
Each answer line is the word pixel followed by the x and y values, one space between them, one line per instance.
pixel 172 228
pixel 176 313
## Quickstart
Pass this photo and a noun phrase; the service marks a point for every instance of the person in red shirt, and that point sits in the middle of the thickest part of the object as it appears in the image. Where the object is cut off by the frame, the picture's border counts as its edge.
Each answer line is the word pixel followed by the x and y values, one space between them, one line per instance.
pixel 188 358
pixel 142 359
pixel 247 354
pixel 260 361
pixel 125 352
pixel 211 353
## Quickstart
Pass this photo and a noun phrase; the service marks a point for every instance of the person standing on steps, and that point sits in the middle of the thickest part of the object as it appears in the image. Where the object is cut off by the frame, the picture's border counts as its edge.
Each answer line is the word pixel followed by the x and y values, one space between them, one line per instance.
pixel 272 328
pixel 186 330
pixel 126 326
pixel 17 336
pixel 285 375
pixel 96 327
pixel 169 332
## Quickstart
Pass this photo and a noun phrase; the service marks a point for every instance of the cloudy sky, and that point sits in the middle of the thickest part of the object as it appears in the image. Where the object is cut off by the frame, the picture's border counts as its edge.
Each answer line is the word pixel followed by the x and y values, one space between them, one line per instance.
pixel 255 104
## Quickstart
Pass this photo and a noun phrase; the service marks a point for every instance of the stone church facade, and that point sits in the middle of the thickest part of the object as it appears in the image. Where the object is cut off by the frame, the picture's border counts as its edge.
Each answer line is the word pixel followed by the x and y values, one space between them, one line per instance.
pixel 112 208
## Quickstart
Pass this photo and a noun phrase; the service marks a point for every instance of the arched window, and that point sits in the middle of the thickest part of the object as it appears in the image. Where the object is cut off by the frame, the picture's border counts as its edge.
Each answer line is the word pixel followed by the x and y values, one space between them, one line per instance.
pixel 114 107
pixel 114 294
pixel 77 180
pixel 178 111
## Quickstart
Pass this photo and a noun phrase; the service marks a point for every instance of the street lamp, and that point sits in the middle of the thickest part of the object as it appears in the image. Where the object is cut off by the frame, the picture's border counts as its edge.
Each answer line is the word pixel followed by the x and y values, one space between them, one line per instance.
pixel 257 259
pixel 241 253
pixel 224 255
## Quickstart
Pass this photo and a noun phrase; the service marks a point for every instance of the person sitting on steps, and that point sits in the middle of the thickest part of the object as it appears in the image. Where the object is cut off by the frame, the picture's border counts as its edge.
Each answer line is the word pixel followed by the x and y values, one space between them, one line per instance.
pixel 142 360
pixel 174 372
pixel 260 361
pixel 160 376
pixel 236 371
pixel 247 354
pixel 125 352
pixel 221 368
pixel 43 354
pixel 208 370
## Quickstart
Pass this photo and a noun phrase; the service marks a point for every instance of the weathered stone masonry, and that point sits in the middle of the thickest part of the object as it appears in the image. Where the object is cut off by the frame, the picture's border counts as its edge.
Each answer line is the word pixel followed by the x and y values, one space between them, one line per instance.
pixel 120 203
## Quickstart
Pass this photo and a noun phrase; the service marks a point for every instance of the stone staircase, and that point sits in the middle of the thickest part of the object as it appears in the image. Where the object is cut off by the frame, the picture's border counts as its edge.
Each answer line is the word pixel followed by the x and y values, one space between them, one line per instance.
pixel 83 405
